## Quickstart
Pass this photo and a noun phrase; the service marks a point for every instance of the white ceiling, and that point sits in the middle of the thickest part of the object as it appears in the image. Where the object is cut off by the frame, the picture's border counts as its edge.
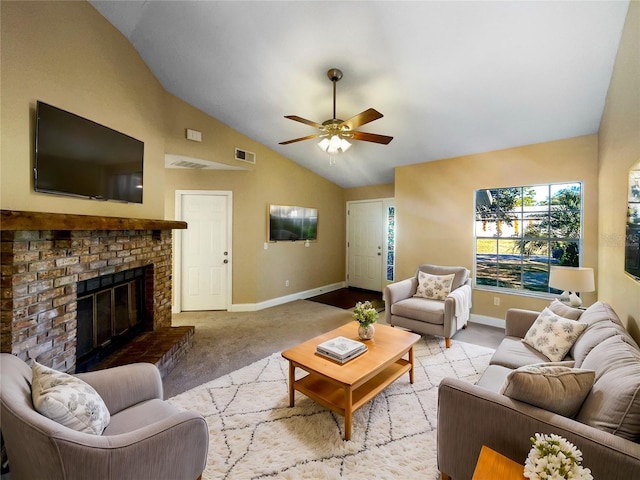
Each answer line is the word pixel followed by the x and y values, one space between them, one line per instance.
pixel 450 77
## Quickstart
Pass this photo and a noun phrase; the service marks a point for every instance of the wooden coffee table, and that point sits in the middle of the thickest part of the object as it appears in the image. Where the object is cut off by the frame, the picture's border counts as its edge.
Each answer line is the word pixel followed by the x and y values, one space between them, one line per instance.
pixel 345 388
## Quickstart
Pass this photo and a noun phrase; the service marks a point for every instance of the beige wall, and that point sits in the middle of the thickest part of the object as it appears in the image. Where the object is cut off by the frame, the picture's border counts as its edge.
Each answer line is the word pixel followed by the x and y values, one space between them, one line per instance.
pixel 68 55
pixel 259 275
pixel 619 150
pixel 369 193
pixel 435 206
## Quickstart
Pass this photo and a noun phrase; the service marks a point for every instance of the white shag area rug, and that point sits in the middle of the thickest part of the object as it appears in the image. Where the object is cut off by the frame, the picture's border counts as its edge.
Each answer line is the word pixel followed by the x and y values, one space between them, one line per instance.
pixel 254 434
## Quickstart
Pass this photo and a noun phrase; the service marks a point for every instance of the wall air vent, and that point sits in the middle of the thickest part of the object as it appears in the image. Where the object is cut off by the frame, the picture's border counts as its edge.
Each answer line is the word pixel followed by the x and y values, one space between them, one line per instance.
pixel 181 161
pixel 245 156
pixel 185 164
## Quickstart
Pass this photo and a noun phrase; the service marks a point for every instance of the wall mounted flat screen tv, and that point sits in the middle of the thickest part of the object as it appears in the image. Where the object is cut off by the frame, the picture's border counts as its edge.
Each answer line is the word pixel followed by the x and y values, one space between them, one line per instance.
pixel 76 156
pixel 288 223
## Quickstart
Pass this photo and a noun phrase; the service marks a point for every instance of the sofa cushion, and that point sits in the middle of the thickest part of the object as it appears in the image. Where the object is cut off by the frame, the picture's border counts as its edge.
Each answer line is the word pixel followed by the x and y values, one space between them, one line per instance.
pixel 430 311
pixel 553 335
pixel 598 312
pixel 68 400
pixel 614 402
pixel 493 377
pixel 460 278
pixel 565 311
pixel 594 335
pixel 513 353
pixel 557 388
pixel 434 287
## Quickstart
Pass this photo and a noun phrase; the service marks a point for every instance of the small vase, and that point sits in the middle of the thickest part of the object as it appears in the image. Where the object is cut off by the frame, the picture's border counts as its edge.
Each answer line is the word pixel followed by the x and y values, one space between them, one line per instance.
pixel 366 333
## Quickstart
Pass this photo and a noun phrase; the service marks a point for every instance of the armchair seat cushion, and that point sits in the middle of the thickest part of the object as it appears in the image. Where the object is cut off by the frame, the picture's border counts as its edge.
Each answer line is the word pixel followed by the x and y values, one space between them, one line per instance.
pixel 140 415
pixel 423 309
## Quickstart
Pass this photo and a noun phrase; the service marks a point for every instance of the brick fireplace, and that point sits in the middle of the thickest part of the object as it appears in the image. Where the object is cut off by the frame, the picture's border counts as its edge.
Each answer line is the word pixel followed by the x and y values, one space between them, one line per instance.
pixel 44 256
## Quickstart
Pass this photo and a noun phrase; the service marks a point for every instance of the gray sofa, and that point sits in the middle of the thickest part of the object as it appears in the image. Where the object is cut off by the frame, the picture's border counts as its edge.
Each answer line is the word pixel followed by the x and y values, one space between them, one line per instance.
pixel 606 427
pixel 146 438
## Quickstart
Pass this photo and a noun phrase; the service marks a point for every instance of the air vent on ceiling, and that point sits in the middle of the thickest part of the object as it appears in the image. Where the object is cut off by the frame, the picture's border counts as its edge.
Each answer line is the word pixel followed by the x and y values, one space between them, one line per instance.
pixel 183 164
pixel 245 156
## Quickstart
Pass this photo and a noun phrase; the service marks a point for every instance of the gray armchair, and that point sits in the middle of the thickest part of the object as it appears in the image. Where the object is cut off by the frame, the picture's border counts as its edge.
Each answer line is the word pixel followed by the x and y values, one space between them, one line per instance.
pixel 146 438
pixel 428 316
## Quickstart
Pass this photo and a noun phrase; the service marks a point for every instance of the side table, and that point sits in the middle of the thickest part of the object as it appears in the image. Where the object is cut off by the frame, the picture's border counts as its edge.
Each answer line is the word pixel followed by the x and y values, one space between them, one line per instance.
pixel 492 466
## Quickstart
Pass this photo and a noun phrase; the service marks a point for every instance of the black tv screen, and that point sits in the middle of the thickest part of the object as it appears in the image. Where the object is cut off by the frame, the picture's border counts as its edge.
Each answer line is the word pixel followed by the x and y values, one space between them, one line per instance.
pixel 76 156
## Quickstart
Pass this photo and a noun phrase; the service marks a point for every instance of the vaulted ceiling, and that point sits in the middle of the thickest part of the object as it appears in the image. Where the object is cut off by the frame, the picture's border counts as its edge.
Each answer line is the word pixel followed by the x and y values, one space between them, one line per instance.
pixel 450 77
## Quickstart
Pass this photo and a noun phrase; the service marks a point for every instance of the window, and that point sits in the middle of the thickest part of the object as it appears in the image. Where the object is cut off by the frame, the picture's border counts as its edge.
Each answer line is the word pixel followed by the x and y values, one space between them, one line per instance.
pixel 521 231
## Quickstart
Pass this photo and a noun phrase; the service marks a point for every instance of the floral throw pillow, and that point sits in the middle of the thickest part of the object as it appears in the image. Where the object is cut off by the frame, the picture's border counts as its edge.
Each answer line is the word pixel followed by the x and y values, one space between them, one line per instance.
pixel 553 335
pixel 434 287
pixel 68 400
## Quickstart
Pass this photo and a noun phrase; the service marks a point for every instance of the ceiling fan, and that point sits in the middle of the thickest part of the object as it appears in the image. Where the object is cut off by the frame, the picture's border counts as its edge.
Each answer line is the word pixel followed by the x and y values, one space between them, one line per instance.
pixel 336 133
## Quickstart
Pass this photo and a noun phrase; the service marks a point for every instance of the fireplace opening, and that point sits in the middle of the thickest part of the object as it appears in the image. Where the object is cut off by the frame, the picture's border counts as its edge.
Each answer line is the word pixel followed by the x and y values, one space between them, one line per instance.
pixel 112 311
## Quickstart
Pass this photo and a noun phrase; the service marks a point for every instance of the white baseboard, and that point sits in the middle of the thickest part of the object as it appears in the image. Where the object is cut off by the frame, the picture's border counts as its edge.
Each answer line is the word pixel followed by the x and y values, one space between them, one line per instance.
pixel 254 307
pixel 484 320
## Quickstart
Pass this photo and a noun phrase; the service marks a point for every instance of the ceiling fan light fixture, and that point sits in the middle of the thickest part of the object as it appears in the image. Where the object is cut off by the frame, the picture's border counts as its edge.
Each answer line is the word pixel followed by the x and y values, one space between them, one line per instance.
pixel 334 145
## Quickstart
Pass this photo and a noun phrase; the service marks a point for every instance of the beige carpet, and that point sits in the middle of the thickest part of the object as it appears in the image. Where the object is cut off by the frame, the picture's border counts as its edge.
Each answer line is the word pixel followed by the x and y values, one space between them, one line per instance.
pixel 256 435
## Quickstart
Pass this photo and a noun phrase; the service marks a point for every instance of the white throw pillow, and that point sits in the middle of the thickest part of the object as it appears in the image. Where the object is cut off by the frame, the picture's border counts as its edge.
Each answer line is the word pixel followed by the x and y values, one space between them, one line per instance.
pixel 434 287
pixel 554 387
pixel 553 335
pixel 68 400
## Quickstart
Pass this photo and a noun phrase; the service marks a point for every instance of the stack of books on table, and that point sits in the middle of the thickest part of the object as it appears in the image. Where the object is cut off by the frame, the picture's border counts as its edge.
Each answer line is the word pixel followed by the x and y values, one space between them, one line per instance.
pixel 341 349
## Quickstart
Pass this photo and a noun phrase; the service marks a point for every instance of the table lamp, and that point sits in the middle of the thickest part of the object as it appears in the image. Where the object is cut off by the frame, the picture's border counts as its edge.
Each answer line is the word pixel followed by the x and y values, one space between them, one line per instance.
pixel 571 280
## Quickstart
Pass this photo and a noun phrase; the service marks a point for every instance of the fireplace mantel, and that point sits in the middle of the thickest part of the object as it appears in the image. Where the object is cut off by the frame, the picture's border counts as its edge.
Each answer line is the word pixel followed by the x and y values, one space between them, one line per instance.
pixel 19 220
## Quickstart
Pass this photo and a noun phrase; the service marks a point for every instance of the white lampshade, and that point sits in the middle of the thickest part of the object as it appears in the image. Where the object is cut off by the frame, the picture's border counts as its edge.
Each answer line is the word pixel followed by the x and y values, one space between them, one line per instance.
pixel 571 280
pixel 323 144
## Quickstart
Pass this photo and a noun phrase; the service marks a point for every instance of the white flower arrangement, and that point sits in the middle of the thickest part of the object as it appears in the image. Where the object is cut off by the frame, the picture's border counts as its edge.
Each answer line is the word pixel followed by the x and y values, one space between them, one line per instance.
pixel 365 314
pixel 553 457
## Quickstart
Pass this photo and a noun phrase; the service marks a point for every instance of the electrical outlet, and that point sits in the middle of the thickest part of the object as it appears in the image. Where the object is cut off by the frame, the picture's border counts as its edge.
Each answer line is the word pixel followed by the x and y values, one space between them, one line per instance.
pixel 286 283
pixel 496 301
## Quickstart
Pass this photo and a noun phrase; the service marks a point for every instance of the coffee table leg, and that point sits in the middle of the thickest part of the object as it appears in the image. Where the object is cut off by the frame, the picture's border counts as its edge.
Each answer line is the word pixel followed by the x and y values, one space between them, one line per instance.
pixel 348 412
pixel 411 362
pixel 292 377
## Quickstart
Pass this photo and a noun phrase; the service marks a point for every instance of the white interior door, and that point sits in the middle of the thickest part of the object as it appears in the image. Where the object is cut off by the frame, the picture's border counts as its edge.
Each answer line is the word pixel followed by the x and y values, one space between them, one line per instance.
pixel 205 252
pixel 365 245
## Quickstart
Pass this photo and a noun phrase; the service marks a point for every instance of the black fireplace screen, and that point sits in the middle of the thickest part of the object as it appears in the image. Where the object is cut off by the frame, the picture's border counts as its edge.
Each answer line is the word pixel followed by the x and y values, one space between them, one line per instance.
pixel 111 311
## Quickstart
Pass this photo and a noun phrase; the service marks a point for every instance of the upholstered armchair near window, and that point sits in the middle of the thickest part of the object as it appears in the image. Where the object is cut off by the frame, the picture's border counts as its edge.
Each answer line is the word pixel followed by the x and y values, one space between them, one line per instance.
pixel 436 301
pixel 144 438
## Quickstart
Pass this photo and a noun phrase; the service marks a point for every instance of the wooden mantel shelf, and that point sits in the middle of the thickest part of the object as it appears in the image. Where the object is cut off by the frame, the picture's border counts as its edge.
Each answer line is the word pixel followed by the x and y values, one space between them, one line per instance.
pixel 17 220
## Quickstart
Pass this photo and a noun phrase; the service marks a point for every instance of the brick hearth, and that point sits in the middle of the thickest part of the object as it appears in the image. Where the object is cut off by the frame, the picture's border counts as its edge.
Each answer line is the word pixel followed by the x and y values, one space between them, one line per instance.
pixel 43 256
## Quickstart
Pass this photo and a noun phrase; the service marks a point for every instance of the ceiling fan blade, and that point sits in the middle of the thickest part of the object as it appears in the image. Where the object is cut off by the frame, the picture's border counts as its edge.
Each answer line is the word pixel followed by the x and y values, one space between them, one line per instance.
pixel 371 137
pixel 308 137
pixel 362 118
pixel 303 120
